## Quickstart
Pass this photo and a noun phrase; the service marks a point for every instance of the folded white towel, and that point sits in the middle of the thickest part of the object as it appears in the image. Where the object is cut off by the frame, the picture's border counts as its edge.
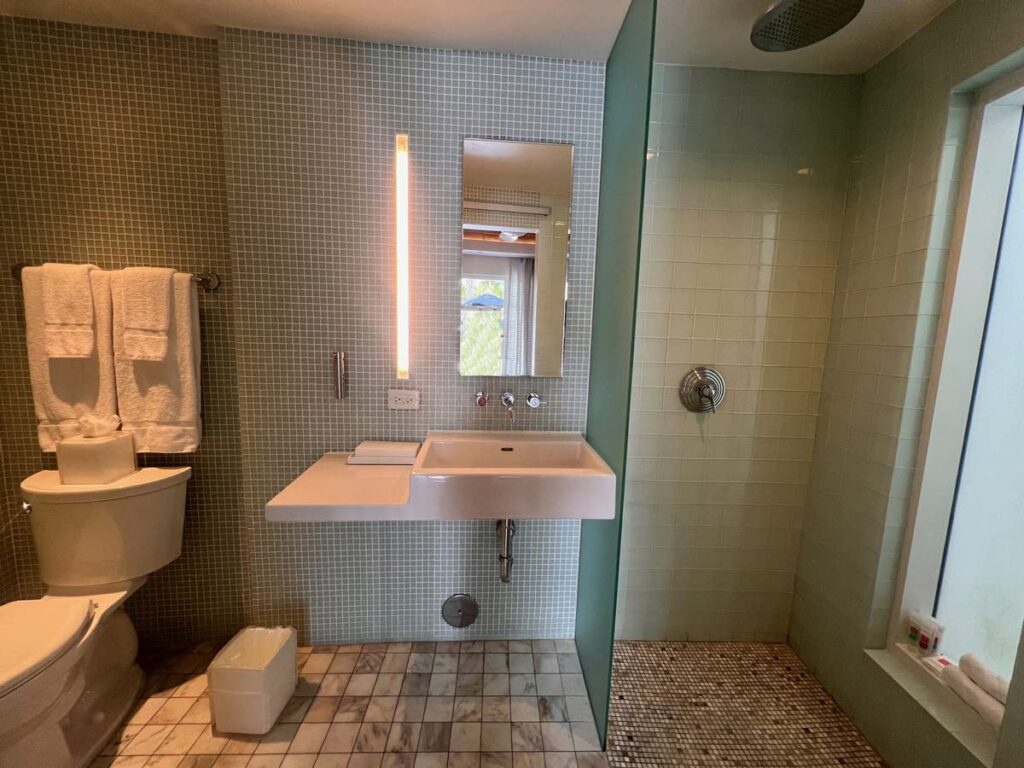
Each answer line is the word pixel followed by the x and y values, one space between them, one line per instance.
pixel 991 711
pixel 383 448
pixel 159 400
pixel 68 310
pixel 992 683
pixel 147 312
pixel 64 389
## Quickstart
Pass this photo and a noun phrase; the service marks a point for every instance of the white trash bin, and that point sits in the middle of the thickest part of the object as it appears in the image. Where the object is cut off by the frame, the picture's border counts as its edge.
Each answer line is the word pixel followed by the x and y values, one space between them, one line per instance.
pixel 252 678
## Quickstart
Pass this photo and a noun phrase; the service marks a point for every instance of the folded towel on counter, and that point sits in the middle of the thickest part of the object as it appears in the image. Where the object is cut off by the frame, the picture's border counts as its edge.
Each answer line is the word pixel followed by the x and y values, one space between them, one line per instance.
pixel 384 448
pixel 382 452
pixel 991 711
pixel 147 312
pixel 992 683
pixel 159 400
pixel 68 310
pixel 64 389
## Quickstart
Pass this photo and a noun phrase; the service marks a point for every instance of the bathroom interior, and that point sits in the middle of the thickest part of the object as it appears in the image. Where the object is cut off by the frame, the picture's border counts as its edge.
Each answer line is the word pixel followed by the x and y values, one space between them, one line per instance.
pixel 546 385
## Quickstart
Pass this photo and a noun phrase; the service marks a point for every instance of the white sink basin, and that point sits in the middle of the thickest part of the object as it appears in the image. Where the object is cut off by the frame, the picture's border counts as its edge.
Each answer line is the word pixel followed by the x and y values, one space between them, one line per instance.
pixel 496 475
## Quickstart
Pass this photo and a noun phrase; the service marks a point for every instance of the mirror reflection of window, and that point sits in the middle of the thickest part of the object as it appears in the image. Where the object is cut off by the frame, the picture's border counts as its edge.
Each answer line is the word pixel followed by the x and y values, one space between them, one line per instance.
pixel 515 249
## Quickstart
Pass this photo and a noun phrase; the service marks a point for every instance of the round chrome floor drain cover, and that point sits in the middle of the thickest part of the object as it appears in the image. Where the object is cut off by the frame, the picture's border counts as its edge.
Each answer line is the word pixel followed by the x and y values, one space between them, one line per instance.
pixel 460 610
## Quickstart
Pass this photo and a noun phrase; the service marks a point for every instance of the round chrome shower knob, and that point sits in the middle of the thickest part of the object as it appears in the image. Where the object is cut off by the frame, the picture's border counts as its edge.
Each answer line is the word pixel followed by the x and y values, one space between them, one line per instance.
pixel 702 390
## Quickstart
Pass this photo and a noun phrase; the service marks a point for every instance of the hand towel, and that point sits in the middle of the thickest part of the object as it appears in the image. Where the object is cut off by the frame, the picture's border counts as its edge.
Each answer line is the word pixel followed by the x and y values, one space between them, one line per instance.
pixel 68 310
pixel 383 448
pixel 147 312
pixel 159 400
pixel 64 389
pixel 991 711
pixel 993 684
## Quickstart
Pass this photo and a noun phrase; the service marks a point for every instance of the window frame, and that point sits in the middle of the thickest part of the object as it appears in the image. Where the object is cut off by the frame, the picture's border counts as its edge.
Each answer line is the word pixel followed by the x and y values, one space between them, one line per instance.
pixel 990 150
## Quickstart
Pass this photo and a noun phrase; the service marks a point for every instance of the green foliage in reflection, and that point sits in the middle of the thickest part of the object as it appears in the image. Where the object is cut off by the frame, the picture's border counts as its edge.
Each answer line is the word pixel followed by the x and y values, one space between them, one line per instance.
pixel 481 330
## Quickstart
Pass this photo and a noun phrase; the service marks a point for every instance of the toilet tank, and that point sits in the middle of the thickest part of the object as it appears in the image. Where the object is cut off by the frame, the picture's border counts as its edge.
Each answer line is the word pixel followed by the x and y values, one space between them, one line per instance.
pixel 101 534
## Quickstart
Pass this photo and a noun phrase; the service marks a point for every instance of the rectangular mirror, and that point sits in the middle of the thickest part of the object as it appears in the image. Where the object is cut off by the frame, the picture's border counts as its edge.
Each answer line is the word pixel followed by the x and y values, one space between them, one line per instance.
pixel 515 257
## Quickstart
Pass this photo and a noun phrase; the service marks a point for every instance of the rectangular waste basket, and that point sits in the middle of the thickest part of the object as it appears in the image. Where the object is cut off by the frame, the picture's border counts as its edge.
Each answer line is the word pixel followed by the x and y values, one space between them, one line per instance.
pixel 252 678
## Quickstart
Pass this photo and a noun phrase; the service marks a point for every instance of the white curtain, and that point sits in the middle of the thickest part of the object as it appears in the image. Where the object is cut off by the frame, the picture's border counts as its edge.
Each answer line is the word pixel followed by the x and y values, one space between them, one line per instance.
pixel 519 318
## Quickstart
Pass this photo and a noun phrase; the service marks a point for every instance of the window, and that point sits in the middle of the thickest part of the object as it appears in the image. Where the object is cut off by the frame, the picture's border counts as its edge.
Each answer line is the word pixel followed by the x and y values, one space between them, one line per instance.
pixel 482 328
pixel 966 529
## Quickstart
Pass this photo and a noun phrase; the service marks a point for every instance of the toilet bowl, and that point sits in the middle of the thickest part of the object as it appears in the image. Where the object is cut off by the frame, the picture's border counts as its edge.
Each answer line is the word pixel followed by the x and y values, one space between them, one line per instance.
pixel 68 675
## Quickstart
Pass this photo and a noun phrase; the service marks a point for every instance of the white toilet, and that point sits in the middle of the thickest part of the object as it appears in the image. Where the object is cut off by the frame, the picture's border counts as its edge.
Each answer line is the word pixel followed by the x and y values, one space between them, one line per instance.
pixel 68 674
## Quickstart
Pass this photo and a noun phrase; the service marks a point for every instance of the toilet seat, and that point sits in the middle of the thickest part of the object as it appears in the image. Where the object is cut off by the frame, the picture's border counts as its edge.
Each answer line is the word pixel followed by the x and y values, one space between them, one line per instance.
pixel 36 633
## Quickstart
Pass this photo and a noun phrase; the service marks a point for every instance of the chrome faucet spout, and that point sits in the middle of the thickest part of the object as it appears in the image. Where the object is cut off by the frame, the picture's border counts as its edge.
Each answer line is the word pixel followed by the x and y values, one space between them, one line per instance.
pixel 509 401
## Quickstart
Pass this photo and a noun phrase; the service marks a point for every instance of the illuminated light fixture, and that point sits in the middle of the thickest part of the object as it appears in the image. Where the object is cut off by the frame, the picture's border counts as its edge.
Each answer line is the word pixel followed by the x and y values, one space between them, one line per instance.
pixel 804 171
pixel 402 253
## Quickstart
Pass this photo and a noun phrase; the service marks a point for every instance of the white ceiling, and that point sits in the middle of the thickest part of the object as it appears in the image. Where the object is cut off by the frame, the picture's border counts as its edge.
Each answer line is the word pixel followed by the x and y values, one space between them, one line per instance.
pixel 705 33
pixel 716 33
pixel 544 168
pixel 569 29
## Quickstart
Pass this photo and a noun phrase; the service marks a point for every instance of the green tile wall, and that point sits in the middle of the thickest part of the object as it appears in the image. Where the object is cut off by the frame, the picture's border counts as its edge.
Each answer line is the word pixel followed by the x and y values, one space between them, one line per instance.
pixel 892 259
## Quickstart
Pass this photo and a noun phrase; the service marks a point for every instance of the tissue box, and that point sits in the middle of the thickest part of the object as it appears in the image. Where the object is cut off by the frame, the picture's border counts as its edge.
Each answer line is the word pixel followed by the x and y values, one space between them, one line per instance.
pixel 95 460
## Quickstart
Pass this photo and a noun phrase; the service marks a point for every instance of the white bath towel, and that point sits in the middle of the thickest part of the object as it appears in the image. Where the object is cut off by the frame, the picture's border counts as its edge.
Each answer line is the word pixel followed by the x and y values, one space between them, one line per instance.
pixel 993 684
pixel 991 711
pixel 68 310
pixel 147 312
pixel 67 388
pixel 158 400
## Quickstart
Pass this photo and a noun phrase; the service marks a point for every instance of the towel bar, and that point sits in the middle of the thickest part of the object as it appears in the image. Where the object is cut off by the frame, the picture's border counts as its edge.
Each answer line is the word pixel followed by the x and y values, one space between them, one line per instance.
pixel 208 281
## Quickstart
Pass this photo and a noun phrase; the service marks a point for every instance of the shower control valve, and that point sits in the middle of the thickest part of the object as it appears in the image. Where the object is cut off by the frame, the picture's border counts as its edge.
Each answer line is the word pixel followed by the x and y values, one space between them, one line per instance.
pixel 533 400
pixel 481 398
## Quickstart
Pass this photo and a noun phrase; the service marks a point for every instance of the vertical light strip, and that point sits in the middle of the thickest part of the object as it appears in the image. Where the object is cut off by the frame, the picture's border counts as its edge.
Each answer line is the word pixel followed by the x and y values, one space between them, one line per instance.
pixel 402 252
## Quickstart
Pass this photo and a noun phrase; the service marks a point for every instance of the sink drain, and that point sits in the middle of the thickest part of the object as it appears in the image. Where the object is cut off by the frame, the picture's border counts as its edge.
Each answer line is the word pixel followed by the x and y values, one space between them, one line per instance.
pixel 459 610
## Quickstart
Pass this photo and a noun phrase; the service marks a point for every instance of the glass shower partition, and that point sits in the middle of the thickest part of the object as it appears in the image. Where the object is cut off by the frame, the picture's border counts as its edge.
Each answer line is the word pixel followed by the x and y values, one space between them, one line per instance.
pixel 620 214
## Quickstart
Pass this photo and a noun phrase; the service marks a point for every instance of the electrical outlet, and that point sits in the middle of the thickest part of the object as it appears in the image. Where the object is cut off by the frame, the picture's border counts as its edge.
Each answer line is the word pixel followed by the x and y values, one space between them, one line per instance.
pixel 403 399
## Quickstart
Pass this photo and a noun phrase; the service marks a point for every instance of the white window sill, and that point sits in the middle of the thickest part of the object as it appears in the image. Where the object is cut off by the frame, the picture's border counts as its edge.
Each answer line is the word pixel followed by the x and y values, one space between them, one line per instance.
pixel 903 664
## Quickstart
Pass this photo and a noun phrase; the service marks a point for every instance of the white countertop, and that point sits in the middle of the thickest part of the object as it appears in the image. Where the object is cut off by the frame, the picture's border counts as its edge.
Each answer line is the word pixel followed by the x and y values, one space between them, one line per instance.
pixel 331 489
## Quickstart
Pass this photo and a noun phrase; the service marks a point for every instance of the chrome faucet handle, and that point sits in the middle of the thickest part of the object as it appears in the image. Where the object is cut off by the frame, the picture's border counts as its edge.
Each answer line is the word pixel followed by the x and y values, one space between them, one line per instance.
pixel 533 400
pixel 706 391
pixel 481 398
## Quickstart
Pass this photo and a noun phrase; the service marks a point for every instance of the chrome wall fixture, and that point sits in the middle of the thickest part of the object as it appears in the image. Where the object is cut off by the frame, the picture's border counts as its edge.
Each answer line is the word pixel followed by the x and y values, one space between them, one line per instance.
pixel 338 358
pixel 702 390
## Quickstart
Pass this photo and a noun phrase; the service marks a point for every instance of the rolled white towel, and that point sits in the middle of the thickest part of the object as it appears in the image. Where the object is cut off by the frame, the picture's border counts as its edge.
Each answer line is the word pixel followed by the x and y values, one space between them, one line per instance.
pixel 992 683
pixel 991 711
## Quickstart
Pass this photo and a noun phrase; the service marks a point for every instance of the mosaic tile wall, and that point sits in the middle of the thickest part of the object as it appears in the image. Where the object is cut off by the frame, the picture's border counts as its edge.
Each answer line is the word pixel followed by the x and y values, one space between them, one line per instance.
pixel 8 569
pixel 892 261
pixel 309 134
pixel 741 234
pixel 110 151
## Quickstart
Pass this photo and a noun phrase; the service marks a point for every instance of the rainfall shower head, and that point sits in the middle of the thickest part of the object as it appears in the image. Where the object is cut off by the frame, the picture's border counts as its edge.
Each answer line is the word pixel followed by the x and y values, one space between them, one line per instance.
pixel 792 24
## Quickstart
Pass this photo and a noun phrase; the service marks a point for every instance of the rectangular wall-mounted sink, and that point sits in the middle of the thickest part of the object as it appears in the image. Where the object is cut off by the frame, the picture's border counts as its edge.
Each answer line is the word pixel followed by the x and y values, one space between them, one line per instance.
pixel 496 475
pixel 459 476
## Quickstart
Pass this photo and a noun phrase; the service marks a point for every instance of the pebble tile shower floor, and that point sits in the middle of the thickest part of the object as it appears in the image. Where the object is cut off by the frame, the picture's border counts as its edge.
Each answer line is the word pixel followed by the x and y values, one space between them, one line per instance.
pixel 504 704
pixel 718 705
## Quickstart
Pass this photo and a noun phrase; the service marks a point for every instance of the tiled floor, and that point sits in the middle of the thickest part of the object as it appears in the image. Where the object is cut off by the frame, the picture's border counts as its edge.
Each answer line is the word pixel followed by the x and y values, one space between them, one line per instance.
pixel 494 704
pixel 725 704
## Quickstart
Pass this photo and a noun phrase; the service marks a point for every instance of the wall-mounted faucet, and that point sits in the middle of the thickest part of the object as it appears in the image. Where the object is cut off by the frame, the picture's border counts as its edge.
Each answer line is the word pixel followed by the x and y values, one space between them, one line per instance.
pixel 509 401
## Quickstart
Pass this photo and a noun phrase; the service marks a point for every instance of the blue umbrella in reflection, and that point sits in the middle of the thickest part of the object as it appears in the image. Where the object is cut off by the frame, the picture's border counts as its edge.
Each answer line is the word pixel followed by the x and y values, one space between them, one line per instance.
pixel 484 301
